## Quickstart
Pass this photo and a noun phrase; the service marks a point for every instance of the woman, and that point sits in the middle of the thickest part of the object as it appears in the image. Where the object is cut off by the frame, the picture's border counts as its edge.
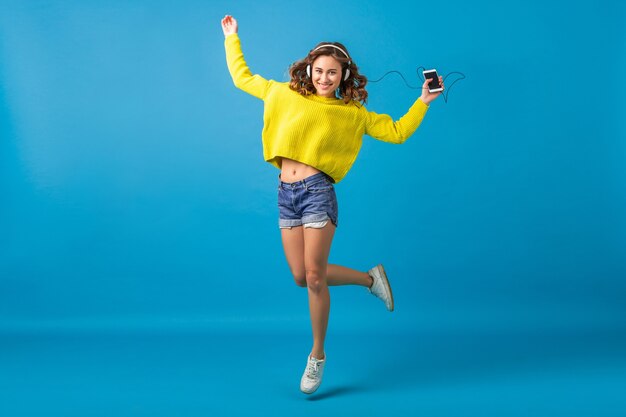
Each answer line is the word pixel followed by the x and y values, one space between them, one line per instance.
pixel 313 128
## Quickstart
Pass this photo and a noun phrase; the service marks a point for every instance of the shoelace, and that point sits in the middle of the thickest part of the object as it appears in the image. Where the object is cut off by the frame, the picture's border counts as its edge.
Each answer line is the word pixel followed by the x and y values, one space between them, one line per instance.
pixel 312 369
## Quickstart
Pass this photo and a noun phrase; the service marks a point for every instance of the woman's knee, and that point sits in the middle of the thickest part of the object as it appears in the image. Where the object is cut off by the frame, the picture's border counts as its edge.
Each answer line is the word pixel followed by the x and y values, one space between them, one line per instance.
pixel 299 277
pixel 315 279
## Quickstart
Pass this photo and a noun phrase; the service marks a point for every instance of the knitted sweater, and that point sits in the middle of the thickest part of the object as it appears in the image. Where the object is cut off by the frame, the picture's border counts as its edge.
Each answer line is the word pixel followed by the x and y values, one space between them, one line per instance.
pixel 322 132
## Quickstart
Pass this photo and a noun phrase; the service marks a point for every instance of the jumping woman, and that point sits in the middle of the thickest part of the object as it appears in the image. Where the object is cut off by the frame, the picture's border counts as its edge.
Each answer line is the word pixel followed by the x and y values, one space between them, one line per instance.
pixel 313 129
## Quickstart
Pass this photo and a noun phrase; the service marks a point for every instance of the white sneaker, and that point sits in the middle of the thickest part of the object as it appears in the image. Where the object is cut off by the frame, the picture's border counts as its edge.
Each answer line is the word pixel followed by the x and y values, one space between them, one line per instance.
pixel 312 377
pixel 381 288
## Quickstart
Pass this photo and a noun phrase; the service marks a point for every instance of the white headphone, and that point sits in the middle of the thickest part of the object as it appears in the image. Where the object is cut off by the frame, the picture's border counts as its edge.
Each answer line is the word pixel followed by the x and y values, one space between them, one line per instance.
pixel 347 73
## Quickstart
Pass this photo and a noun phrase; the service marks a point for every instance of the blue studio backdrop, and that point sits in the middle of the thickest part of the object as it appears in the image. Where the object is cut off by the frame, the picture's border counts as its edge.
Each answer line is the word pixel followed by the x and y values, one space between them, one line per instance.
pixel 134 197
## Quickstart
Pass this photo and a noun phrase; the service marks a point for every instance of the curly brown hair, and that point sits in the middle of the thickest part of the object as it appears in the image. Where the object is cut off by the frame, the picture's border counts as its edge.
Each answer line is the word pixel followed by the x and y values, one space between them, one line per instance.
pixel 351 89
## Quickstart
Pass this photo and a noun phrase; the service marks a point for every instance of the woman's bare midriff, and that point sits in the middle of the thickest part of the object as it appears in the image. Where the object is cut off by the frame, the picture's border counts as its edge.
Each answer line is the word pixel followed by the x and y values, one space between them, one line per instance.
pixel 292 171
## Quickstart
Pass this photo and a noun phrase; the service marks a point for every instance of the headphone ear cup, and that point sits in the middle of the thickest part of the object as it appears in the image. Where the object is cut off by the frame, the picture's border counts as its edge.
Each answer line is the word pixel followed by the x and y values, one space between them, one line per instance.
pixel 345 77
pixel 308 71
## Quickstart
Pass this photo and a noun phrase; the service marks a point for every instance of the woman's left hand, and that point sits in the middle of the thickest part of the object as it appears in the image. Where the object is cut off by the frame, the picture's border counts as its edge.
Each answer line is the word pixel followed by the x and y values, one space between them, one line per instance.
pixel 427 96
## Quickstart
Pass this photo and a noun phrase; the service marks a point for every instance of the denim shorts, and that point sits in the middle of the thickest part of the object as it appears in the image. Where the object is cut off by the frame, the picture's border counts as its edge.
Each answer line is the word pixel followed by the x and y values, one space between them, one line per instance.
pixel 310 202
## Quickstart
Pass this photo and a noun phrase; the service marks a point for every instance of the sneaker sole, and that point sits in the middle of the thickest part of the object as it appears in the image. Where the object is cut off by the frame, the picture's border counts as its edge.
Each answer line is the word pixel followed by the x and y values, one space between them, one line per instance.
pixel 308 392
pixel 386 283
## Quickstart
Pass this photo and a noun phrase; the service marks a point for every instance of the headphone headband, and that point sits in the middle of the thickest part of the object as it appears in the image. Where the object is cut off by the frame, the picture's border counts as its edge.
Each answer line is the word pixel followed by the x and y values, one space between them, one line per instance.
pixel 332 46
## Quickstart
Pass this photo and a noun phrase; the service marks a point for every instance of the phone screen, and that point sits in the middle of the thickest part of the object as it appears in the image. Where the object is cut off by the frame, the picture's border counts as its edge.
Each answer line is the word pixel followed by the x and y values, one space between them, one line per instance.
pixel 433 84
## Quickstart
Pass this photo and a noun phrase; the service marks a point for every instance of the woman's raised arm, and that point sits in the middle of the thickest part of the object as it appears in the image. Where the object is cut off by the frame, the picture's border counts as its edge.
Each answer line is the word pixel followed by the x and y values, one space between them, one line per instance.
pixel 239 71
pixel 382 126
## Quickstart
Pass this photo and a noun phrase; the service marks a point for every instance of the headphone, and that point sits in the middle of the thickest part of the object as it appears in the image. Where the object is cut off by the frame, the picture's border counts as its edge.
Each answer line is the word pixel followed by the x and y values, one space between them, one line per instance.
pixel 346 74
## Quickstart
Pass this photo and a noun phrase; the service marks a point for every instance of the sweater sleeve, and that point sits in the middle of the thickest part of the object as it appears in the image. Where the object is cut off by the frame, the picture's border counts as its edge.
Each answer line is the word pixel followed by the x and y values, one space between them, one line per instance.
pixel 239 71
pixel 382 126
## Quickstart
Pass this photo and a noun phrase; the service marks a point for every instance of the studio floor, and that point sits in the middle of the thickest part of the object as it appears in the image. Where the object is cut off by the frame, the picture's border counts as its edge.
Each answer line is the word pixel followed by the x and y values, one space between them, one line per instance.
pixel 224 372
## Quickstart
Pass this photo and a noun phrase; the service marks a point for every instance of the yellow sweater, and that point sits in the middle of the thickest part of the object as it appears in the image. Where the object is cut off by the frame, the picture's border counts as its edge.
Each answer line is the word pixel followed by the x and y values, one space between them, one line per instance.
pixel 324 133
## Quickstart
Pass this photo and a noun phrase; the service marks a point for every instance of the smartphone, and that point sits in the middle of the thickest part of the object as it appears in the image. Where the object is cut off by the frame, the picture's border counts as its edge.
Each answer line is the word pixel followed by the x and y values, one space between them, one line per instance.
pixel 433 84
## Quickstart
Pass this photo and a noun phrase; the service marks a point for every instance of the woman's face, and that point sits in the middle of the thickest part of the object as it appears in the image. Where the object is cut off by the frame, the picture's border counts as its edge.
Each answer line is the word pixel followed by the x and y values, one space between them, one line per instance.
pixel 326 75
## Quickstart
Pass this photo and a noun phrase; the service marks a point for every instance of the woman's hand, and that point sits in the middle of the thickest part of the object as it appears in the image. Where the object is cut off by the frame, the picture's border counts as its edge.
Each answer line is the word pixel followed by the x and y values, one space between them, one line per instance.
pixel 427 96
pixel 229 25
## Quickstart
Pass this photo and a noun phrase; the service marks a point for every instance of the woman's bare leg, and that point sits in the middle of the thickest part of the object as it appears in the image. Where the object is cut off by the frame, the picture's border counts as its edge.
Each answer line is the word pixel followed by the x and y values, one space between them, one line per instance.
pixel 340 275
pixel 293 245
pixel 317 244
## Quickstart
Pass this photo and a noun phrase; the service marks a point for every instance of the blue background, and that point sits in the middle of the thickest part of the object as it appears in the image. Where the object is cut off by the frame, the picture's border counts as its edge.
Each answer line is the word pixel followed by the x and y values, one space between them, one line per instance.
pixel 141 268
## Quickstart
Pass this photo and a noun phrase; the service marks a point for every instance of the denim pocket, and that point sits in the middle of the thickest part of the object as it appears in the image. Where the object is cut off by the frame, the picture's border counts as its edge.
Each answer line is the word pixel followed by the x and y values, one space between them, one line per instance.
pixel 320 187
